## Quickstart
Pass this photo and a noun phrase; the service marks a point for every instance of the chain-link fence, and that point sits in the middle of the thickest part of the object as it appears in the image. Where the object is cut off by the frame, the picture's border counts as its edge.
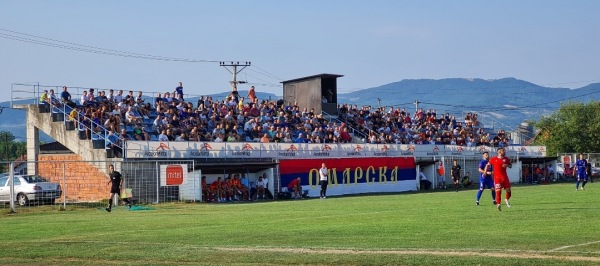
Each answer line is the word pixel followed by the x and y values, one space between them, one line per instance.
pixel 469 167
pixel 83 184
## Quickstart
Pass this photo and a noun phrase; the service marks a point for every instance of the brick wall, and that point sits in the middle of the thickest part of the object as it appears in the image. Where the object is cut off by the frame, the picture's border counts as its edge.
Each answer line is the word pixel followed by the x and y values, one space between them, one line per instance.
pixel 82 181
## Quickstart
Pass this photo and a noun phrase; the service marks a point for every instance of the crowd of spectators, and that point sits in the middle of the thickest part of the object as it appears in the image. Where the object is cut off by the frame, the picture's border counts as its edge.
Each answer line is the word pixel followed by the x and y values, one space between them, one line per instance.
pixel 396 125
pixel 168 117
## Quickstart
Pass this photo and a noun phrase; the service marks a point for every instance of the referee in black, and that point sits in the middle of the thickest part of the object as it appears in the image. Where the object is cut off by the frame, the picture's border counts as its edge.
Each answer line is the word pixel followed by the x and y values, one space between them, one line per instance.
pixel 115 188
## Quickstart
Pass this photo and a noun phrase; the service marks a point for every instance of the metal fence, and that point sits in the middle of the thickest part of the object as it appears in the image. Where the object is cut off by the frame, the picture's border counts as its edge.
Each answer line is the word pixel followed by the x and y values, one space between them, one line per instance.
pixel 84 184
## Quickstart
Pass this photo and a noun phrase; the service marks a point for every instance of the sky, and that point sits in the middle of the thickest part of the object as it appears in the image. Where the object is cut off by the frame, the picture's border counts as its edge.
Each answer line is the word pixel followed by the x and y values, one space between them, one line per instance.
pixel 371 43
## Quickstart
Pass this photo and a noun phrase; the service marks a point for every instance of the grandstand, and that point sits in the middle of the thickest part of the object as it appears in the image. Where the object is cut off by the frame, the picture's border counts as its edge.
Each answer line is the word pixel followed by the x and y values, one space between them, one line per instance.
pixel 125 127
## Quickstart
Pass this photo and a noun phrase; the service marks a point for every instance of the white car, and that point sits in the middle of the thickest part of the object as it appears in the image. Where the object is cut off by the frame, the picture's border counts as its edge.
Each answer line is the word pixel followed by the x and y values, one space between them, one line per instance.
pixel 595 171
pixel 29 188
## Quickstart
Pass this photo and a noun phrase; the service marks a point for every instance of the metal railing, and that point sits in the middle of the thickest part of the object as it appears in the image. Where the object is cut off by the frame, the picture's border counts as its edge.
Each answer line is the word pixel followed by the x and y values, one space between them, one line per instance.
pixel 80 119
pixel 352 130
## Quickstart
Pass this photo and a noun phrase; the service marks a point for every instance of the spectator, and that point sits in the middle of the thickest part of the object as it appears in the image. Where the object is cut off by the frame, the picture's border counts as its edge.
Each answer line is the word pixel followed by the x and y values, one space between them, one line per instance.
pixel 53 99
pixel 84 98
pixel 261 184
pixel 181 137
pixel 44 98
pixel 264 138
pixel 345 136
pixel 179 91
pixel 252 95
pixel 124 136
pixel 112 143
pixel 163 136
pixel 65 96
pixel 131 116
pixel 145 135
pixel 119 97
pixel 300 139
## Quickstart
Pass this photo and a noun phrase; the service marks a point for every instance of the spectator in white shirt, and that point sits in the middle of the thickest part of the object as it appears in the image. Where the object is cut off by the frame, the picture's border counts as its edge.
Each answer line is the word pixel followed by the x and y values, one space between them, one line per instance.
pixel 261 185
pixel 84 98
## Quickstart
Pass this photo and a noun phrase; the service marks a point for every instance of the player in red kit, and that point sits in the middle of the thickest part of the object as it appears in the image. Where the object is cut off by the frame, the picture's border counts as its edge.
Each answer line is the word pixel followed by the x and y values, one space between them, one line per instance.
pixel 499 165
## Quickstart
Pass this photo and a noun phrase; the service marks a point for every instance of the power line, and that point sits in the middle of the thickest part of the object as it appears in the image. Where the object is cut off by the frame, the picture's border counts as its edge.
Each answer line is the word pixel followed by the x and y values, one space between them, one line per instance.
pixel 266 82
pixel 91 49
pixel 266 73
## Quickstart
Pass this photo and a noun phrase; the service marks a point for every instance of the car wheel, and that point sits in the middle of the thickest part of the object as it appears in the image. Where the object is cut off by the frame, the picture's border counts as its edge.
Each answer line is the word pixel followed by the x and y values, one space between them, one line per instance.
pixel 52 201
pixel 22 199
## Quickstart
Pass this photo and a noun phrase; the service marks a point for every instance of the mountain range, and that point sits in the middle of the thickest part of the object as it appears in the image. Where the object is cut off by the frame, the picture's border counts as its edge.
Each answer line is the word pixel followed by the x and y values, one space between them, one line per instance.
pixel 500 103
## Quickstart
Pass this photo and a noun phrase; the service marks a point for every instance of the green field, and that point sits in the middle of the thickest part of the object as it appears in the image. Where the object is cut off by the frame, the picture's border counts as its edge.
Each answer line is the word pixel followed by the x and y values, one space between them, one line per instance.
pixel 547 225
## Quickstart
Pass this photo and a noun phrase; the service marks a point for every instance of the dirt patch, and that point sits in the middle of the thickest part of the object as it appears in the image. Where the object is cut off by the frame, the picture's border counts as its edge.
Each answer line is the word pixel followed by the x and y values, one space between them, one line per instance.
pixel 495 254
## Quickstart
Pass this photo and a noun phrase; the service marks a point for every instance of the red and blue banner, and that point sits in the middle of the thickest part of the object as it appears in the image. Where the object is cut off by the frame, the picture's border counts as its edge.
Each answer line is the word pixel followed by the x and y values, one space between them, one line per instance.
pixel 352 175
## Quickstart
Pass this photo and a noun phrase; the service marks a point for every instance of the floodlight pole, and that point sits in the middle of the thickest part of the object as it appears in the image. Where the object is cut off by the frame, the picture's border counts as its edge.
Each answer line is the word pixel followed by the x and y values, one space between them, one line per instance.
pixel 235 71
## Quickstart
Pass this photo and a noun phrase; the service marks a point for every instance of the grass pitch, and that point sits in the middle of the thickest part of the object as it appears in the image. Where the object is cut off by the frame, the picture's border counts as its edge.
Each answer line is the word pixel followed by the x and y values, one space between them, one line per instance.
pixel 547 225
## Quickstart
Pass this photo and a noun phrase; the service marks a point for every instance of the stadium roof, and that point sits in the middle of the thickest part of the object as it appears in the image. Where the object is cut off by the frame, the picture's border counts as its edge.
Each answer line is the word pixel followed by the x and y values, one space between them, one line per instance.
pixel 324 75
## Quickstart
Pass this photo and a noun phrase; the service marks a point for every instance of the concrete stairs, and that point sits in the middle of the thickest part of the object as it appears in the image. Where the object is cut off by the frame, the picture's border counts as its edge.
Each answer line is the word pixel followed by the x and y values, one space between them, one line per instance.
pixel 37 120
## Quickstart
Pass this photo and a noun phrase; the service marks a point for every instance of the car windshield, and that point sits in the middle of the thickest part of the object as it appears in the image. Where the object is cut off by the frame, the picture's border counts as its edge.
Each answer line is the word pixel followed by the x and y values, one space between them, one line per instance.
pixel 34 179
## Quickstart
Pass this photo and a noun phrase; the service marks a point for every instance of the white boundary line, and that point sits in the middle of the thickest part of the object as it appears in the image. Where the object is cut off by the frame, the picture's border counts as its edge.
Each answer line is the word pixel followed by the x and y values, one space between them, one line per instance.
pixel 572 246
pixel 495 253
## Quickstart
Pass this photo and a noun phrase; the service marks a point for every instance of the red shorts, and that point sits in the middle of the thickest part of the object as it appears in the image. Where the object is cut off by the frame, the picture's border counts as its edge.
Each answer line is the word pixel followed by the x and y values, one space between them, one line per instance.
pixel 502 183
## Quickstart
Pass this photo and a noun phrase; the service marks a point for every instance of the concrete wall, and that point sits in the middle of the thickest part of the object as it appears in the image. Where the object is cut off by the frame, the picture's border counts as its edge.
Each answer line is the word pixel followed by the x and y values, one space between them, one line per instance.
pixel 80 181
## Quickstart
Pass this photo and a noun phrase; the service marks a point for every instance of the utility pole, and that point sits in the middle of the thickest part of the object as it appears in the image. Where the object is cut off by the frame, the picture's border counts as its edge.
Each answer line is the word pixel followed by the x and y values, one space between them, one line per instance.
pixel 235 71
pixel 417 106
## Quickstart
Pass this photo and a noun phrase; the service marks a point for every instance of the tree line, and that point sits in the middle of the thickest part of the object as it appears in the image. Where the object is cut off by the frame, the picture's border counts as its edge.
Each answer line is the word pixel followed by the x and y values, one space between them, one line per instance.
pixel 573 128
pixel 10 149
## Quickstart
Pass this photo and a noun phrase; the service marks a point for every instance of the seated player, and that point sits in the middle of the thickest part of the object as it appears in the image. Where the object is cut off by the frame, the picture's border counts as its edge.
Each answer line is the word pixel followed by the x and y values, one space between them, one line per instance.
pixel 466 181
pixel 239 188
pixel 207 194
pixel 226 189
pixel 296 188
pixel 215 187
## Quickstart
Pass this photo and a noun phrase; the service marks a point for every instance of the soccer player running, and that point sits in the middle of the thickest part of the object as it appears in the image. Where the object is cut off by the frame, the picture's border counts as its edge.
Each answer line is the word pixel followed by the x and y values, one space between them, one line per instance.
pixel 499 164
pixel 581 168
pixel 485 178
pixel 455 171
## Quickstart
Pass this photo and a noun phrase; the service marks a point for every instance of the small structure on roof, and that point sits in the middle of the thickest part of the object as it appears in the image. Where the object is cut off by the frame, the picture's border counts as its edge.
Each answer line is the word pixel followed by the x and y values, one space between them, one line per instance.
pixel 318 92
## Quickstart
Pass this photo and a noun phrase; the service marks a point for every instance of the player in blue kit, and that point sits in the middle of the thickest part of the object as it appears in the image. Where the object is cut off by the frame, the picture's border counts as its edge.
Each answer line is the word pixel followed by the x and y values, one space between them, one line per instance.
pixel 581 170
pixel 485 178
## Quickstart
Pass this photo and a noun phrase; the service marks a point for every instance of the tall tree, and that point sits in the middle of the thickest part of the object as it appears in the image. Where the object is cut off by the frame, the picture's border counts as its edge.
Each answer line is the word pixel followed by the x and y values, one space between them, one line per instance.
pixel 573 128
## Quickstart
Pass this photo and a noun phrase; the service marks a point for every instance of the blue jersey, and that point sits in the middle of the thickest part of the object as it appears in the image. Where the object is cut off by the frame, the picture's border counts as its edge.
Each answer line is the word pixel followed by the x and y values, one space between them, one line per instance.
pixel 485 180
pixel 581 164
pixel 482 165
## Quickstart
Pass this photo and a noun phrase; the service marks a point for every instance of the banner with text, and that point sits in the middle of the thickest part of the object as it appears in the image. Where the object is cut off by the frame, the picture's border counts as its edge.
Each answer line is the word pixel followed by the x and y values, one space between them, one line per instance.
pixel 178 150
pixel 173 174
pixel 352 175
